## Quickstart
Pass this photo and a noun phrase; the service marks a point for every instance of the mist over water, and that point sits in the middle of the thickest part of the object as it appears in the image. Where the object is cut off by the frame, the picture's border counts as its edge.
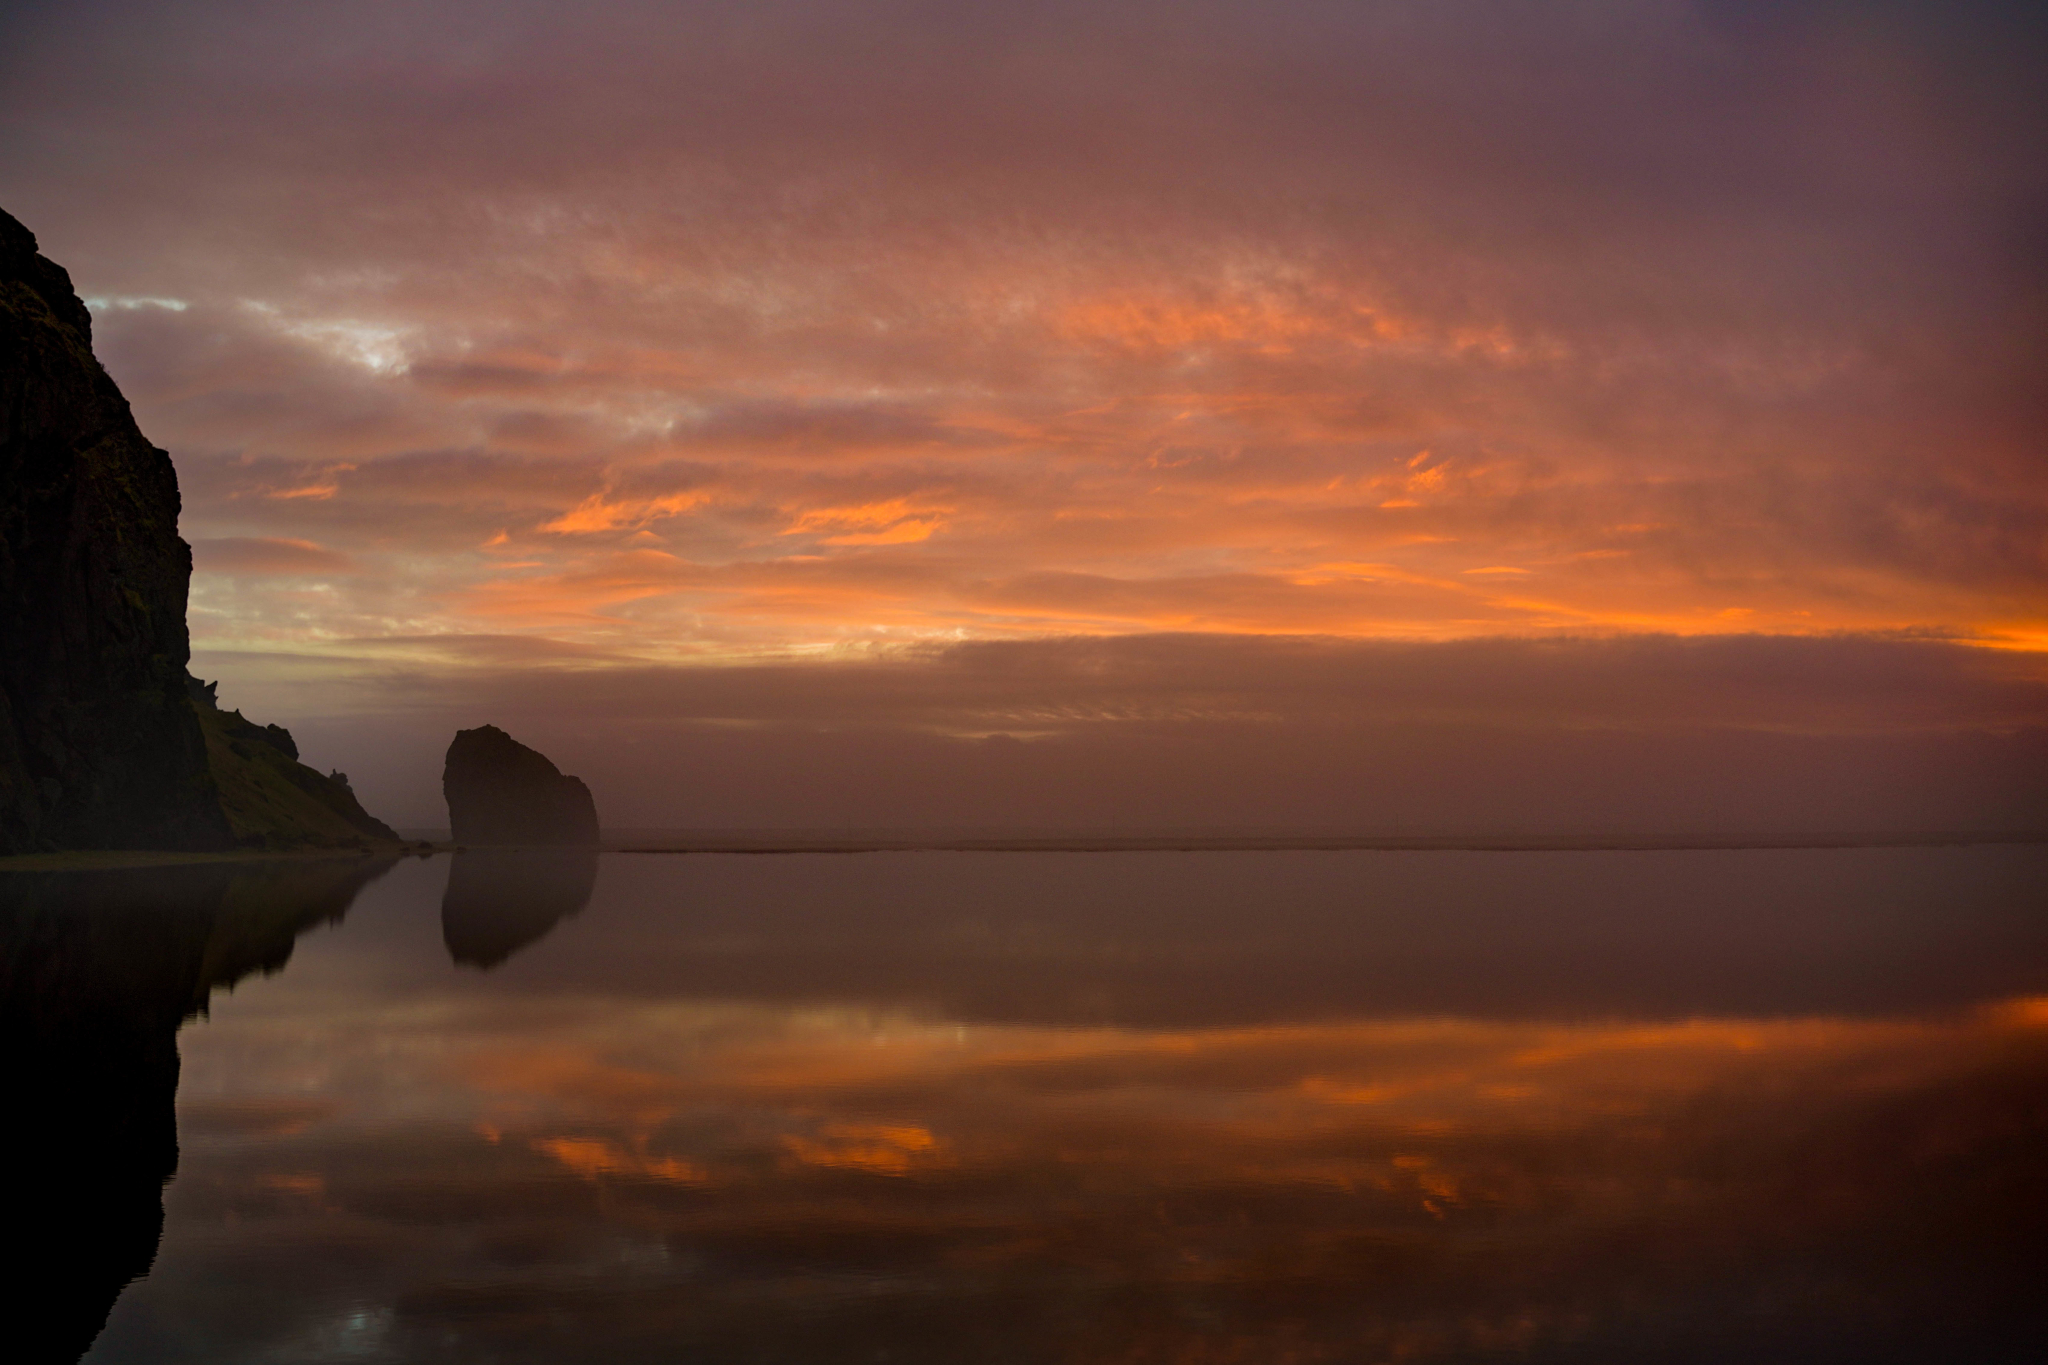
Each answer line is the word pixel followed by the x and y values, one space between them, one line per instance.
pixel 1349 1106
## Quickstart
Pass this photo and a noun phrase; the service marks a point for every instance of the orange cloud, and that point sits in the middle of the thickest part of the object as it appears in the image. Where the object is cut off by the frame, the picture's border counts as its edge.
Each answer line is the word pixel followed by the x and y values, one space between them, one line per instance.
pixel 895 521
pixel 273 555
pixel 600 512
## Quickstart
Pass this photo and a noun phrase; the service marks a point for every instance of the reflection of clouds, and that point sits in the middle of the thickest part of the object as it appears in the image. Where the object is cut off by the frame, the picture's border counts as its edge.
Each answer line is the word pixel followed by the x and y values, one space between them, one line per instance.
pixel 593 1157
pixel 1438 1118
pixel 884 1092
pixel 267 1116
pixel 1431 1187
pixel 876 1148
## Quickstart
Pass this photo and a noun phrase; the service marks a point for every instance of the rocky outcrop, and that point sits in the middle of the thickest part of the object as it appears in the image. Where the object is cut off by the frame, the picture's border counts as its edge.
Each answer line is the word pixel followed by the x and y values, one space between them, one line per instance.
pixel 105 742
pixel 99 747
pixel 501 792
pixel 271 800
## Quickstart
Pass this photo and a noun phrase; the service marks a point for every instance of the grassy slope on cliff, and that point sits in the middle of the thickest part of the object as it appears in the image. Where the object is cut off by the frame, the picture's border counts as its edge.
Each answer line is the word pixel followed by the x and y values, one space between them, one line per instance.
pixel 272 800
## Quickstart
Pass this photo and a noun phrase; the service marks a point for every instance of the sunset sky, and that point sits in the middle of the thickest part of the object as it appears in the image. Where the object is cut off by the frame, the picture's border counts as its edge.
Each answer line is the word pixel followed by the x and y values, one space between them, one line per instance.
pixel 711 384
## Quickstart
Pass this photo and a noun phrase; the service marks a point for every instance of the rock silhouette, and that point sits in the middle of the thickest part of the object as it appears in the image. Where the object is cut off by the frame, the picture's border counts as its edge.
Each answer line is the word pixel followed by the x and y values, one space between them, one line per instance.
pixel 500 900
pixel 501 792
pixel 99 746
pixel 105 741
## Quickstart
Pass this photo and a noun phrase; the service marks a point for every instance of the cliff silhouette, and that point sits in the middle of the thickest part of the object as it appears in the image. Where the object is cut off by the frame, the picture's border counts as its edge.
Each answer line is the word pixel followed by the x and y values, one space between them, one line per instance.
pixel 105 740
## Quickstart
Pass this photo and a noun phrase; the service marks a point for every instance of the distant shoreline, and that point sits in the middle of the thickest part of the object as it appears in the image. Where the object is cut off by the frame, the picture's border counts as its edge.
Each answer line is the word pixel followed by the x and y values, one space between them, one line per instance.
pixel 1318 843
pixel 111 859
pixel 727 843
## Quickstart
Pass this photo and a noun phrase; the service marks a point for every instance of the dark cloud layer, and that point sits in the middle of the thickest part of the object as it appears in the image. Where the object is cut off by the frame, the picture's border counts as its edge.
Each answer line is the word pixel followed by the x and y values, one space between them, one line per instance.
pixel 1657 735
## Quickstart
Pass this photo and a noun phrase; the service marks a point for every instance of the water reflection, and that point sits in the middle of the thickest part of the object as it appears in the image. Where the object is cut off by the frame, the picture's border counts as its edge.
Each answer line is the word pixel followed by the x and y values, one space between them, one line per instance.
pixel 1165 940
pixel 628 1182
pixel 499 900
pixel 97 972
pixel 1211 1108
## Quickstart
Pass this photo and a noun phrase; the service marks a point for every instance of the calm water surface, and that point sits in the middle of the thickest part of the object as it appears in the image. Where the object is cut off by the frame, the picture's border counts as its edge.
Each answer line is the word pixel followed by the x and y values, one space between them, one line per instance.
pixel 1211 1107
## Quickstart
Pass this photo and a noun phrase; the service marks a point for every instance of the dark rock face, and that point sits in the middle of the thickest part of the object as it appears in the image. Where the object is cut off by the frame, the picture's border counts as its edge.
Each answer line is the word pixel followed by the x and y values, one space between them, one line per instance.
pixel 98 970
pixel 99 747
pixel 105 742
pixel 501 792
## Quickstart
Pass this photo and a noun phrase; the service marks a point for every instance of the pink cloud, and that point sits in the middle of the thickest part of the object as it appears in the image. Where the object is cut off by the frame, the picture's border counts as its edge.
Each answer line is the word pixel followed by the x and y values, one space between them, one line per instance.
pixel 251 555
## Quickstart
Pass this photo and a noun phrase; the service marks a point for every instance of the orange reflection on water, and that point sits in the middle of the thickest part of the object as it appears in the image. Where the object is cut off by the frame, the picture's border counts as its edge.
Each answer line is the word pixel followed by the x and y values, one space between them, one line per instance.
pixel 1438 1102
pixel 593 1157
pixel 809 1182
pixel 880 1149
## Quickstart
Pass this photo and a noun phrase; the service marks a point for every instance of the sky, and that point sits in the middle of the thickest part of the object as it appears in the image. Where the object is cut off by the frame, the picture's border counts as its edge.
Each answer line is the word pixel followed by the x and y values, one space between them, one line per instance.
pixel 770 406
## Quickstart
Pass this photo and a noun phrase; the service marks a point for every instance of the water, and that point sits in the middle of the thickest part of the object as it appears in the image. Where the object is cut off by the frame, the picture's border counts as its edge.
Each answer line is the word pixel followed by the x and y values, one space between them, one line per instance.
pixel 1150 1107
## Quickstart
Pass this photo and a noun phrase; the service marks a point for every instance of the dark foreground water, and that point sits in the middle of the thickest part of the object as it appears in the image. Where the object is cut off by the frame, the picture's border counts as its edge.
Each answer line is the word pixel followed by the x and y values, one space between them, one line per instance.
pixel 1210 1107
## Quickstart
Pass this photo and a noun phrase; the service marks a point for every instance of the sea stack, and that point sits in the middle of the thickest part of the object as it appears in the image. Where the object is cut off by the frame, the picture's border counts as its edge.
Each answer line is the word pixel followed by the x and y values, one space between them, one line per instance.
pixel 501 792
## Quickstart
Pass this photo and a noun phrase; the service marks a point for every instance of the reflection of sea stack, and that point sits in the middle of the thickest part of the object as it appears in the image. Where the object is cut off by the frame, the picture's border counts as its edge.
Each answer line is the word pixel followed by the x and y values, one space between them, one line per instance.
pixel 501 792
pixel 501 899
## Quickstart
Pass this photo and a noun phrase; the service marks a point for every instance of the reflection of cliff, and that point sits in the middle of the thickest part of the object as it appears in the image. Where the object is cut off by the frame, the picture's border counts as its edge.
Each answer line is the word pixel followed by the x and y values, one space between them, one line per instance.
pixel 97 972
pixel 500 900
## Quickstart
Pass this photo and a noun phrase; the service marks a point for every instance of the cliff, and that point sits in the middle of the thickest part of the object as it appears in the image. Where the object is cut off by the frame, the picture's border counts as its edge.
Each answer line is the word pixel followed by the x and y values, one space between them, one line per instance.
pixel 99 747
pixel 501 792
pixel 103 741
